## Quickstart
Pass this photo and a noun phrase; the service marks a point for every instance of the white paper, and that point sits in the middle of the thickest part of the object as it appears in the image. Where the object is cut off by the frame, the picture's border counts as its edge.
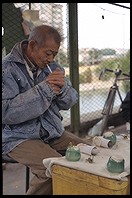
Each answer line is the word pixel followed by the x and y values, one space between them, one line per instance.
pixel 87 149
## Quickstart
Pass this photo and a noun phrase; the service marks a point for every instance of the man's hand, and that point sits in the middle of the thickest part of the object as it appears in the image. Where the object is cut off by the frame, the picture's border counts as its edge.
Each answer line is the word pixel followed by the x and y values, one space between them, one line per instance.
pixel 56 80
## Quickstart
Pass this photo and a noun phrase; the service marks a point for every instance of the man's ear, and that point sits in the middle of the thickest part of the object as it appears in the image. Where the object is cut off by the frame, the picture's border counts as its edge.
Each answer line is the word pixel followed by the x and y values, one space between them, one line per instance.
pixel 32 44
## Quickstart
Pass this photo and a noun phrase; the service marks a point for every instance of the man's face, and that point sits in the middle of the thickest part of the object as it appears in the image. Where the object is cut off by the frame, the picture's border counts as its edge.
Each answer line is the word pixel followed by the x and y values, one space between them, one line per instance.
pixel 45 54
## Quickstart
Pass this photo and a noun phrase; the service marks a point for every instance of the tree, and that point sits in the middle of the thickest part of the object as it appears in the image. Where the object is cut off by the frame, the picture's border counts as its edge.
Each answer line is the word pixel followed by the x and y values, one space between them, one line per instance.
pixel 95 56
pixel 108 51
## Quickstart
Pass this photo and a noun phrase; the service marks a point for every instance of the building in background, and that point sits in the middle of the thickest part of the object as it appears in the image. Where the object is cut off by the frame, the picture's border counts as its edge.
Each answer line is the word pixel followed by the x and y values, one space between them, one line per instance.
pixel 49 13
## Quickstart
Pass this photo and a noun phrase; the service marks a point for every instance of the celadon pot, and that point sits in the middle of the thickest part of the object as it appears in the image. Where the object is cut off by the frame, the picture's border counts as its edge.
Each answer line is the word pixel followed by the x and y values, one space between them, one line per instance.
pixel 115 164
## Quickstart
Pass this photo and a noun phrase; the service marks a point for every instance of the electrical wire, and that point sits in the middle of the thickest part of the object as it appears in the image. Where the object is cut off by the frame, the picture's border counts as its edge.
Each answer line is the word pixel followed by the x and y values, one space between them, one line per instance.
pixel 120 5
pixel 108 10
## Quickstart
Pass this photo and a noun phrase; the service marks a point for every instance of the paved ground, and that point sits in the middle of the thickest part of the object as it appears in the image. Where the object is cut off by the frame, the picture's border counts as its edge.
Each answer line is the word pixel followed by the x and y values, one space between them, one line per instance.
pixel 14 177
pixel 14 174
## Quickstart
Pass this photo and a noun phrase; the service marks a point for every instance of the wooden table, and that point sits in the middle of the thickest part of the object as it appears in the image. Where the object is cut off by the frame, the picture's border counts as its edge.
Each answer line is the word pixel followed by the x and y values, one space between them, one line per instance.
pixel 67 181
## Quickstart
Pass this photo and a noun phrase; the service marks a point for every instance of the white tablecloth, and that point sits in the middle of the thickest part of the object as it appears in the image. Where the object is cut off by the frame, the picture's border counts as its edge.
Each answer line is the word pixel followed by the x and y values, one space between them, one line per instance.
pixel 99 165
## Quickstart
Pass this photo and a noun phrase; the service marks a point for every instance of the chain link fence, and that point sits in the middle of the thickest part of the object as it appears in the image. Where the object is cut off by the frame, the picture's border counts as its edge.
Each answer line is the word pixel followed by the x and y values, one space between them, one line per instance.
pixel 19 18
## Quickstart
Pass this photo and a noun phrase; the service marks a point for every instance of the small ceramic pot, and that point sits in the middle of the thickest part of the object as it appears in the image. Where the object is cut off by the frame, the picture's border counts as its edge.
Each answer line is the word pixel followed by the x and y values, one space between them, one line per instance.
pixel 73 154
pixel 110 136
pixel 115 164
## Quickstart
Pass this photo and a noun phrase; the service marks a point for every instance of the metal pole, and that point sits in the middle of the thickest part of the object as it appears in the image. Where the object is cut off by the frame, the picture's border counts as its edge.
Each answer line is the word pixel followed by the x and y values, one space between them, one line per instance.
pixel 74 65
pixel 29 6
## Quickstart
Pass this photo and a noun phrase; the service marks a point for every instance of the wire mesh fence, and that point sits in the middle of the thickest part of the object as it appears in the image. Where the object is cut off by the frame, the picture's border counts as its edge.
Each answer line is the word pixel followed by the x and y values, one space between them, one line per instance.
pixel 98 48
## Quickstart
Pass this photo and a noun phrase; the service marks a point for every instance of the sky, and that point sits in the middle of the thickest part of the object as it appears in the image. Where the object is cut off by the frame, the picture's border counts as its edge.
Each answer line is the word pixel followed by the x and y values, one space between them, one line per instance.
pixel 111 32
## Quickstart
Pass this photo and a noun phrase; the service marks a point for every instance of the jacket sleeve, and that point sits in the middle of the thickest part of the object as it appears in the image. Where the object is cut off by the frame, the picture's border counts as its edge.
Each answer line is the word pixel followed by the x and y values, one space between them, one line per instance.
pixel 19 107
pixel 67 97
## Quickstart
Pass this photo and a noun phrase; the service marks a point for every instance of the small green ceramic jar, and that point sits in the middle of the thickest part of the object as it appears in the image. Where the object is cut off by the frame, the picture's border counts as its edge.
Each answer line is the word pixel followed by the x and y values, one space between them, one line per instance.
pixel 115 164
pixel 73 153
pixel 110 136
